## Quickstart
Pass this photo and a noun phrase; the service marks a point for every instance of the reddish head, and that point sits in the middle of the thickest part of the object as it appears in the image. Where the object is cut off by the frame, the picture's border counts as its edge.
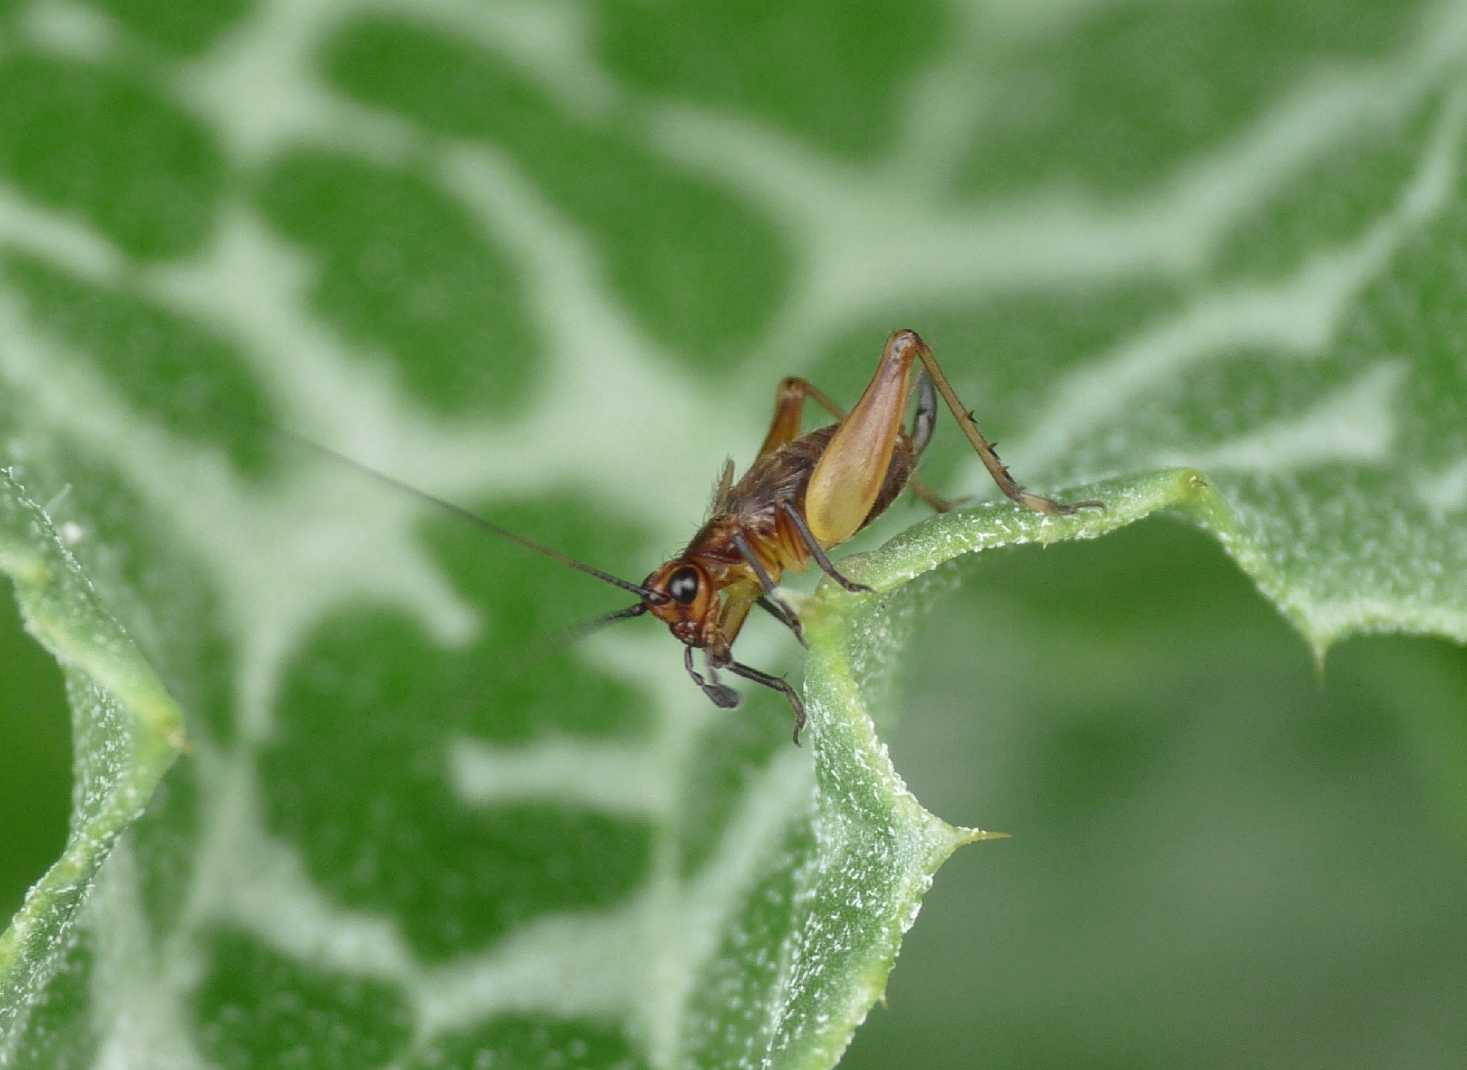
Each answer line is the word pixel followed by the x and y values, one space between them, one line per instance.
pixel 689 602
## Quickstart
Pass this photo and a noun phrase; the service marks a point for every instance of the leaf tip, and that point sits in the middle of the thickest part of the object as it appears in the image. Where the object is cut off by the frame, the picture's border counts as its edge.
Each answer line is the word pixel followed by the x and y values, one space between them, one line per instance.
pixel 967 836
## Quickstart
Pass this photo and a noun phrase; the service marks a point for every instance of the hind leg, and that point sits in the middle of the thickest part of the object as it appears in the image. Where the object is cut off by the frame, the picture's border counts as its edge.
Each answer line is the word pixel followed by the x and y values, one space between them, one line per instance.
pixel 789 404
pixel 986 453
pixel 923 422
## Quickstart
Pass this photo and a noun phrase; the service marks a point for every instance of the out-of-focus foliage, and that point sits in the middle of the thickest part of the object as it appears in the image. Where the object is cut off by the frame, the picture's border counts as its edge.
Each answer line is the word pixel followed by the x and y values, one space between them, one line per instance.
pixel 127 732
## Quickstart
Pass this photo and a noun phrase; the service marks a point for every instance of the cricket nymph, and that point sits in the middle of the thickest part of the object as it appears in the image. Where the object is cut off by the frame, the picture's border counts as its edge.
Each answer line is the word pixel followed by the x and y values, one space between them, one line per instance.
pixel 804 494
pixel 755 533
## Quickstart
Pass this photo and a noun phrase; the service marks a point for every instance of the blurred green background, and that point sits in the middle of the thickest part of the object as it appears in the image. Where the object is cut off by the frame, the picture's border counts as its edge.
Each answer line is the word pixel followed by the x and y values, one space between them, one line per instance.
pixel 1220 858
pixel 584 211
pixel 35 792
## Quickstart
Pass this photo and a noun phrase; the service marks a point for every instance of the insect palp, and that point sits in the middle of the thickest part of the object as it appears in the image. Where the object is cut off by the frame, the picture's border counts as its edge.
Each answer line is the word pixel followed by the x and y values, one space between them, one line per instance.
pixel 722 696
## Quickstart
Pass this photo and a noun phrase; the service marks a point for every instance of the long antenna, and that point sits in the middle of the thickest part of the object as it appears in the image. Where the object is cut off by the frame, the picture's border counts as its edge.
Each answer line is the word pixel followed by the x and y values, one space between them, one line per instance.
pixel 576 632
pixel 478 521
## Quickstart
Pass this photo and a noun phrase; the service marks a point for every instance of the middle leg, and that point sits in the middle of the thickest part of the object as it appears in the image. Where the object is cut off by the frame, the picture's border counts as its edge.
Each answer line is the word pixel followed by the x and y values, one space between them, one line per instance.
pixel 817 551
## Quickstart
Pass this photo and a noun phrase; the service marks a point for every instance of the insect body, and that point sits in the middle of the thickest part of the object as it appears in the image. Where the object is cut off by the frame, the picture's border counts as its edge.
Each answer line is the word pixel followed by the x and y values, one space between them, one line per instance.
pixel 804 494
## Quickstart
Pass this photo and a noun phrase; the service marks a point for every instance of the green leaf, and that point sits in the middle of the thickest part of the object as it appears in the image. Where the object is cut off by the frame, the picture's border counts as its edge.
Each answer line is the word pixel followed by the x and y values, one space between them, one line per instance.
pixel 875 847
pixel 128 733
pixel 548 261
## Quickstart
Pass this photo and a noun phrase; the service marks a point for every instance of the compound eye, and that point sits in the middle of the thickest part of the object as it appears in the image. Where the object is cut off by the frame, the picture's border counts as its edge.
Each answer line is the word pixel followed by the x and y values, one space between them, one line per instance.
pixel 683 586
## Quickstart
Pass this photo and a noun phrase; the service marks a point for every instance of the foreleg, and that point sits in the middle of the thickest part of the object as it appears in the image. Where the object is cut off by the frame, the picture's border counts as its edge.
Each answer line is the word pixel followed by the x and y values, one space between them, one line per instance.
pixel 777 683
